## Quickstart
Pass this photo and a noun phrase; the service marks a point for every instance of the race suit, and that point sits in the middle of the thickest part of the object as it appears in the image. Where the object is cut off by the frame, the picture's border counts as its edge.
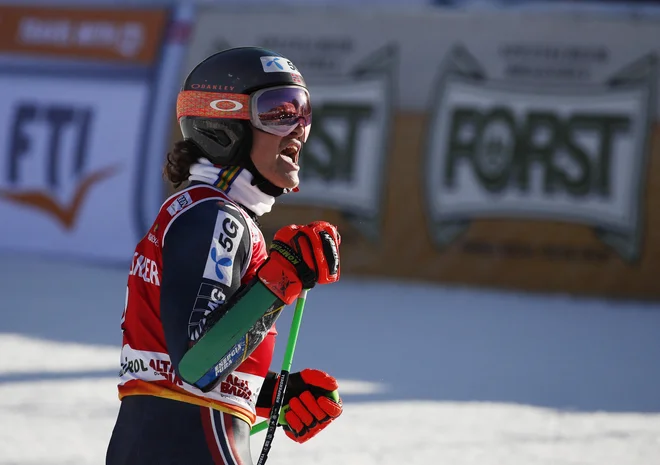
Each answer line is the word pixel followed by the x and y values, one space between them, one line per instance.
pixel 201 248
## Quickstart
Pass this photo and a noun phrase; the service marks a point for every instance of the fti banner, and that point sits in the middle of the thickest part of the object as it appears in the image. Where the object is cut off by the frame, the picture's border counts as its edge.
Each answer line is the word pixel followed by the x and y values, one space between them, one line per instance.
pixel 80 125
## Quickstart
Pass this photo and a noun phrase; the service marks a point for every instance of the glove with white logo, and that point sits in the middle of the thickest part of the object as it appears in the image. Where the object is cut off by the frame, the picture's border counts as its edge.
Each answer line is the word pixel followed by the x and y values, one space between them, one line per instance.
pixel 299 258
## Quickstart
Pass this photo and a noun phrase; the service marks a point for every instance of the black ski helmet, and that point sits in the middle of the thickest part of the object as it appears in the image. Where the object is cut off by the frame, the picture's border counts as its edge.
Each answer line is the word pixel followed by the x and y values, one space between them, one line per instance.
pixel 237 70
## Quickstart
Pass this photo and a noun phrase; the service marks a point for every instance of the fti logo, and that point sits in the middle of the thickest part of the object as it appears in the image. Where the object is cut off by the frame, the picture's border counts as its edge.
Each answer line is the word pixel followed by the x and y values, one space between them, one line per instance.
pixel 47 160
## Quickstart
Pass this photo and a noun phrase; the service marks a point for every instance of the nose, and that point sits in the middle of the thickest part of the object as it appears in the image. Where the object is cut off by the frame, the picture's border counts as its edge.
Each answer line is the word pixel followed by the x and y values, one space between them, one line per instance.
pixel 298 131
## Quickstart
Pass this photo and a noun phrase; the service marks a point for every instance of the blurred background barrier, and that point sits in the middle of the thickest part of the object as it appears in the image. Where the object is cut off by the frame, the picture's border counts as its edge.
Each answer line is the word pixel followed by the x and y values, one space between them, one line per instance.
pixel 494 147
pixel 469 144
pixel 488 148
pixel 87 95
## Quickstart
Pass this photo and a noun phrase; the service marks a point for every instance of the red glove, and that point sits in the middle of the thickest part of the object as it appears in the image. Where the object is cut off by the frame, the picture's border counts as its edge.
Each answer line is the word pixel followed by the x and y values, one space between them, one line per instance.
pixel 300 257
pixel 311 403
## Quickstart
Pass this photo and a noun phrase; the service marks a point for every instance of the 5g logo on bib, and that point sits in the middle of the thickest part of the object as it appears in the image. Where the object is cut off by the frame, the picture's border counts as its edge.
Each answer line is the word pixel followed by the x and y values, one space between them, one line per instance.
pixel 226 238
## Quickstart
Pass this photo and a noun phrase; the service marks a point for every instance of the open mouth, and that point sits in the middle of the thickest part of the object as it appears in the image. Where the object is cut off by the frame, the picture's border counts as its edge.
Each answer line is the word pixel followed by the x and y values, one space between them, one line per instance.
pixel 291 151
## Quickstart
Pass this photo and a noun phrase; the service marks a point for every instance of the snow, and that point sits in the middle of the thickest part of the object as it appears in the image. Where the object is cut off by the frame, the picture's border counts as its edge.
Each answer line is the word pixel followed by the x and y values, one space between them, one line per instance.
pixel 429 374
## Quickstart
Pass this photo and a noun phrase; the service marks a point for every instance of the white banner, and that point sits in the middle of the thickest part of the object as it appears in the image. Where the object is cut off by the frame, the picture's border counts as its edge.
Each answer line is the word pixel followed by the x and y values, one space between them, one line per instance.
pixel 70 164
pixel 84 127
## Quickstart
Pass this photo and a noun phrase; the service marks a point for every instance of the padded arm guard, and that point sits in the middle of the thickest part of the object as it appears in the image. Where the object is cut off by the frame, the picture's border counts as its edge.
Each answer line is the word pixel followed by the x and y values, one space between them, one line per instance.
pixel 231 337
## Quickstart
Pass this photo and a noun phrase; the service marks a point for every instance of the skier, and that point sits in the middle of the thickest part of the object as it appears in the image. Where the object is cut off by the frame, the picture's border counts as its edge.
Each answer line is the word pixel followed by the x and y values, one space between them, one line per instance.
pixel 245 114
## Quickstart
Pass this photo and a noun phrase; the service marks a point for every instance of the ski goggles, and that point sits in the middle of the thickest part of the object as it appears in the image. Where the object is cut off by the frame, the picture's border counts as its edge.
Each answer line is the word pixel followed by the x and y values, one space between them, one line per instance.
pixel 275 110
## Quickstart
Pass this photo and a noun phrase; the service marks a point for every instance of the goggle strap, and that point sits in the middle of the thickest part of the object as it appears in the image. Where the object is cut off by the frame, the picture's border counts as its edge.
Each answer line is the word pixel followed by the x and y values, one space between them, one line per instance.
pixel 212 105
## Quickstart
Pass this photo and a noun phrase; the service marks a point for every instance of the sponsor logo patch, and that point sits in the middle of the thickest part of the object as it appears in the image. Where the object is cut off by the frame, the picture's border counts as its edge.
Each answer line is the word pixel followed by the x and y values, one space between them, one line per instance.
pixel 209 298
pixel 181 201
pixel 224 245
pixel 278 65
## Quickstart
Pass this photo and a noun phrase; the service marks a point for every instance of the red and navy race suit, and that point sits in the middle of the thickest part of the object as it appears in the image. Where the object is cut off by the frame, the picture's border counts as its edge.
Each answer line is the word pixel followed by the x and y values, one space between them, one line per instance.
pixel 200 250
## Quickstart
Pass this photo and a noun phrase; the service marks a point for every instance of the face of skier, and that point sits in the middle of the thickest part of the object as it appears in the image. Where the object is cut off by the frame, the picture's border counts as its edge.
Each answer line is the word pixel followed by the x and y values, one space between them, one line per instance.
pixel 276 158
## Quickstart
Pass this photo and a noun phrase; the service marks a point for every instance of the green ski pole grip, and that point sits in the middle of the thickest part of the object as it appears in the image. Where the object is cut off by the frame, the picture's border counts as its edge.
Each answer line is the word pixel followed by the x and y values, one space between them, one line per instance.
pixel 290 349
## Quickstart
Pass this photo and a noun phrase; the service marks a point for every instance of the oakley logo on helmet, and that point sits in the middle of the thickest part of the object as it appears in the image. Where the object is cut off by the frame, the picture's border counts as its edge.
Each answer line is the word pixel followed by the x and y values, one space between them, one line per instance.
pixel 226 105
pixel 278 65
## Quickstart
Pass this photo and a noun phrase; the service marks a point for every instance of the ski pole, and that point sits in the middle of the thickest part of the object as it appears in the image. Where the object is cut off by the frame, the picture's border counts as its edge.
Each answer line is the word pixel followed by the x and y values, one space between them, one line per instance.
pixel 282 381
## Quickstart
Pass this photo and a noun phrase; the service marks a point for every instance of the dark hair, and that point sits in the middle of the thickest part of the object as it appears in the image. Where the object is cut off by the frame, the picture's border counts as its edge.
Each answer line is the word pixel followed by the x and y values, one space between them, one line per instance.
pixel 177 167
